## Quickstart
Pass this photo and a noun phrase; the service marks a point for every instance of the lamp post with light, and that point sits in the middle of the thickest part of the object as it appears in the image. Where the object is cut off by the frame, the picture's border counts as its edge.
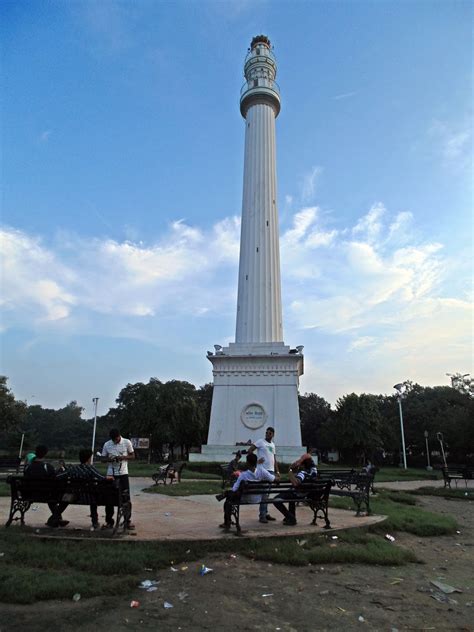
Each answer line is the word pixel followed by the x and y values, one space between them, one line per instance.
pixel 402 390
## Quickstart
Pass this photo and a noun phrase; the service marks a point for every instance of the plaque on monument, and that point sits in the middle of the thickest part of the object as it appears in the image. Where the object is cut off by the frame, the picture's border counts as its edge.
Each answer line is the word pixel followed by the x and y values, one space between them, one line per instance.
pixel 253 416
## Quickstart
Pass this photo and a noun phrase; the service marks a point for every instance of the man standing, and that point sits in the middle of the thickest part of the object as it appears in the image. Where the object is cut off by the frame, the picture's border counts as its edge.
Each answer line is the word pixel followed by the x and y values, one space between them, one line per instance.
pixel 267 458
pixel 117 452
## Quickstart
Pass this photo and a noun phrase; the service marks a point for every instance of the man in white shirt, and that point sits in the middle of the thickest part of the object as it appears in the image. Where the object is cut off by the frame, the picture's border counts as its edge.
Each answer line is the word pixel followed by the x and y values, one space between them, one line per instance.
pixel 266 454
pixel 253 473
pixel 116 453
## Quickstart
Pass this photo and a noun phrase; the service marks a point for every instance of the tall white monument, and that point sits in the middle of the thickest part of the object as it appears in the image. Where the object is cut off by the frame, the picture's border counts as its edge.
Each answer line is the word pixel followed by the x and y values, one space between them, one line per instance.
pixel 256 378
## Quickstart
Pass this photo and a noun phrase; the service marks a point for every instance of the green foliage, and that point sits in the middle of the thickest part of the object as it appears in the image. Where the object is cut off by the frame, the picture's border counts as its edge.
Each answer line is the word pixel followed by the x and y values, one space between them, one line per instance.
pixel 171 413
pixel 315 414
pixel 357 425
pixel 12 412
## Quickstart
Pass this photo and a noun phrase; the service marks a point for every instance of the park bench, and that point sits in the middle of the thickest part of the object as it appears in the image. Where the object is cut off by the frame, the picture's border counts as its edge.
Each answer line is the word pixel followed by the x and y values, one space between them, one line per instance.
pixel 456 474
pixel 170 473
pixel 10 465
pixel 314 494
pixel 352 484
pixel 26 491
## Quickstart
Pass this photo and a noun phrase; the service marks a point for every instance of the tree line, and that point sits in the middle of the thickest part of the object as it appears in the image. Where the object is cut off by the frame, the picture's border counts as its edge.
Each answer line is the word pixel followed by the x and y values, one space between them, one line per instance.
pixel 175 416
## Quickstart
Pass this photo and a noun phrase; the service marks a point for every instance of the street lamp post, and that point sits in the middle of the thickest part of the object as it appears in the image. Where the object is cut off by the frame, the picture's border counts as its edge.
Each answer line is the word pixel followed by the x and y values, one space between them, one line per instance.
pixel 401 390
pixel 440 438
pixel 96 401
pixel 428 467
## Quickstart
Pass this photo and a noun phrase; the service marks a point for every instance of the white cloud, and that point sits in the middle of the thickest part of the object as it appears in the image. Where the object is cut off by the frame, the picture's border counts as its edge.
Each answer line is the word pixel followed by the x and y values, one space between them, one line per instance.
pixel 310 182
pixel 369 297
pixel 454 142
pixel 344 95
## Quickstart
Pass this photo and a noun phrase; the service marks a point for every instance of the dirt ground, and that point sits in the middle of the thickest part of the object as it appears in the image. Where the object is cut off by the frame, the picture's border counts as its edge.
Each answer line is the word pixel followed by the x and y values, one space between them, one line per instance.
pixel 250 595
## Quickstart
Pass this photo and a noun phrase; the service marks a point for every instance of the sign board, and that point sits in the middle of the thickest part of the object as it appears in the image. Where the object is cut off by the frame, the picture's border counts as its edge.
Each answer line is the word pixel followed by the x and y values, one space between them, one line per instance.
pixel 253 416
pixel 140 443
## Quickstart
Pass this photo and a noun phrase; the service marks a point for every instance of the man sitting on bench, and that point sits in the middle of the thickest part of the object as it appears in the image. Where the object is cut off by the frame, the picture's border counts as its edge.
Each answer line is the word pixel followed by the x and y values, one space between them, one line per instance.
pixel 307 473
pixel 87 472
pixel 40 470
pixel 253 473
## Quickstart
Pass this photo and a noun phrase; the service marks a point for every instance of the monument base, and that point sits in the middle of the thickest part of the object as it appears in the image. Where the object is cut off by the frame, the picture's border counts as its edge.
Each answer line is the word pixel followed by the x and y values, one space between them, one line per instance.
pixel 223 454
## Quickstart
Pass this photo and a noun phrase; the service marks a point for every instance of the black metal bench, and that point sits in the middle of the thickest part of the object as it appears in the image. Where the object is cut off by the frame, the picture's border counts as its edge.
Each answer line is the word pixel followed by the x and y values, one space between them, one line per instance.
pixel 350 483
pixel 170 473
pixel 10 465
pixel 456 474
pixel 314 494
pixel 25 491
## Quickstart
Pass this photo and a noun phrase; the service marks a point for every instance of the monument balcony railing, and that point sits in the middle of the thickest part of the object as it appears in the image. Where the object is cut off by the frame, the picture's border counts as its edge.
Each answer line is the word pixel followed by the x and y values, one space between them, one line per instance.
pixel 267 53
pixel 270 84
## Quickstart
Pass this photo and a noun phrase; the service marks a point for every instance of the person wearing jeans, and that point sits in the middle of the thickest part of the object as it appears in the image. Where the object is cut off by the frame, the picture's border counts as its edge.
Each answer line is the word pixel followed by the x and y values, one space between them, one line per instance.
pixel 117 452
pixel 267 458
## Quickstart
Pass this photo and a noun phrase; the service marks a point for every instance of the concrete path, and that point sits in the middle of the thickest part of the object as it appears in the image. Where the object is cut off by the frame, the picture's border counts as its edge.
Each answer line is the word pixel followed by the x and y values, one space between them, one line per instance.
pixel 160 517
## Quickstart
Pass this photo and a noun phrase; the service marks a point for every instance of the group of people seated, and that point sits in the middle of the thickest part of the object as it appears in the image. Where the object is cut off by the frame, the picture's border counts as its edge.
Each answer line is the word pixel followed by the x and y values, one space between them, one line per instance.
pixel 37 468
pixel 301 471
pixel 116 453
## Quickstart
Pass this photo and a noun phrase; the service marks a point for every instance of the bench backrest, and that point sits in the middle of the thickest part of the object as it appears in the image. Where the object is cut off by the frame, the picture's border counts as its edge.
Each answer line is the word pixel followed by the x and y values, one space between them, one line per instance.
pixel 76 491
pixel 10 462
pixel 311 489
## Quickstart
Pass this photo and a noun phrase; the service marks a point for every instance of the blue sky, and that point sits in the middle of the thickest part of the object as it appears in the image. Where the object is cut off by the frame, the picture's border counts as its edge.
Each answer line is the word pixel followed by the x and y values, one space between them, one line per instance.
pixel 122 179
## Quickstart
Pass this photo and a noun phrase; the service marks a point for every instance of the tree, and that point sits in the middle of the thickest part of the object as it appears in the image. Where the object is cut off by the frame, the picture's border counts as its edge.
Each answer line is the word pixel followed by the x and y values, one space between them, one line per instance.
pixel 357 426
pixel 315 413
pixel 12 412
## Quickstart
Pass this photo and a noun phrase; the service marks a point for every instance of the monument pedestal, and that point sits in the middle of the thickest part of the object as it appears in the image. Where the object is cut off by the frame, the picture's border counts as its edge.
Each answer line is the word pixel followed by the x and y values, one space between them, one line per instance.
pixel 255 386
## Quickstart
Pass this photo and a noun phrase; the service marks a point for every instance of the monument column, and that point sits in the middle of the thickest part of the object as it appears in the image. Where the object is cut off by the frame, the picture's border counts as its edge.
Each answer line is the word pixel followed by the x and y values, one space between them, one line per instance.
pixel 256 378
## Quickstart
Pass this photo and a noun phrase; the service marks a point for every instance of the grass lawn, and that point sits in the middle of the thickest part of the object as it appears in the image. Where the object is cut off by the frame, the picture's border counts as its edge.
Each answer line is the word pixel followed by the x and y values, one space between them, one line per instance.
pixel 187 488
pixel 4 489
pixel 32 569
pixel 388 474
pixel 444 492
pixel 403 514
pixel 139 468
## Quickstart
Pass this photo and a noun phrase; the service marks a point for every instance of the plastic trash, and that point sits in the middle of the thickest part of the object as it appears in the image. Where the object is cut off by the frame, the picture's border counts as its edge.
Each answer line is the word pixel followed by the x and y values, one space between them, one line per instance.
pixel 167 605
pixel 184 568
pixel 76 597
pixel 267 595
pixel 361 619
pixel 334 537
pixel 34 508
pixel 233 556
pixel 134 604
pixel 182 595
pixel 446 588
pixel 152 589
pixel 301 542
pixel 167 513
pixel 148 583
pixel 204 570
pixel 172 568
pixel 389 537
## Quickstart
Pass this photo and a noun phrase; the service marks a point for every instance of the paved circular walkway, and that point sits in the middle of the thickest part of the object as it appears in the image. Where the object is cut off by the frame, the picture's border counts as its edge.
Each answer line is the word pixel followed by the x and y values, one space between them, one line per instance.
pixel 160 517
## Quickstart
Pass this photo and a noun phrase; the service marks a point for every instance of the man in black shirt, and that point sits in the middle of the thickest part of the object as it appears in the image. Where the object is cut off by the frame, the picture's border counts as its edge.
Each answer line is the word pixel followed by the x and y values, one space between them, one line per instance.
pixel 85 471
pixel 39 469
